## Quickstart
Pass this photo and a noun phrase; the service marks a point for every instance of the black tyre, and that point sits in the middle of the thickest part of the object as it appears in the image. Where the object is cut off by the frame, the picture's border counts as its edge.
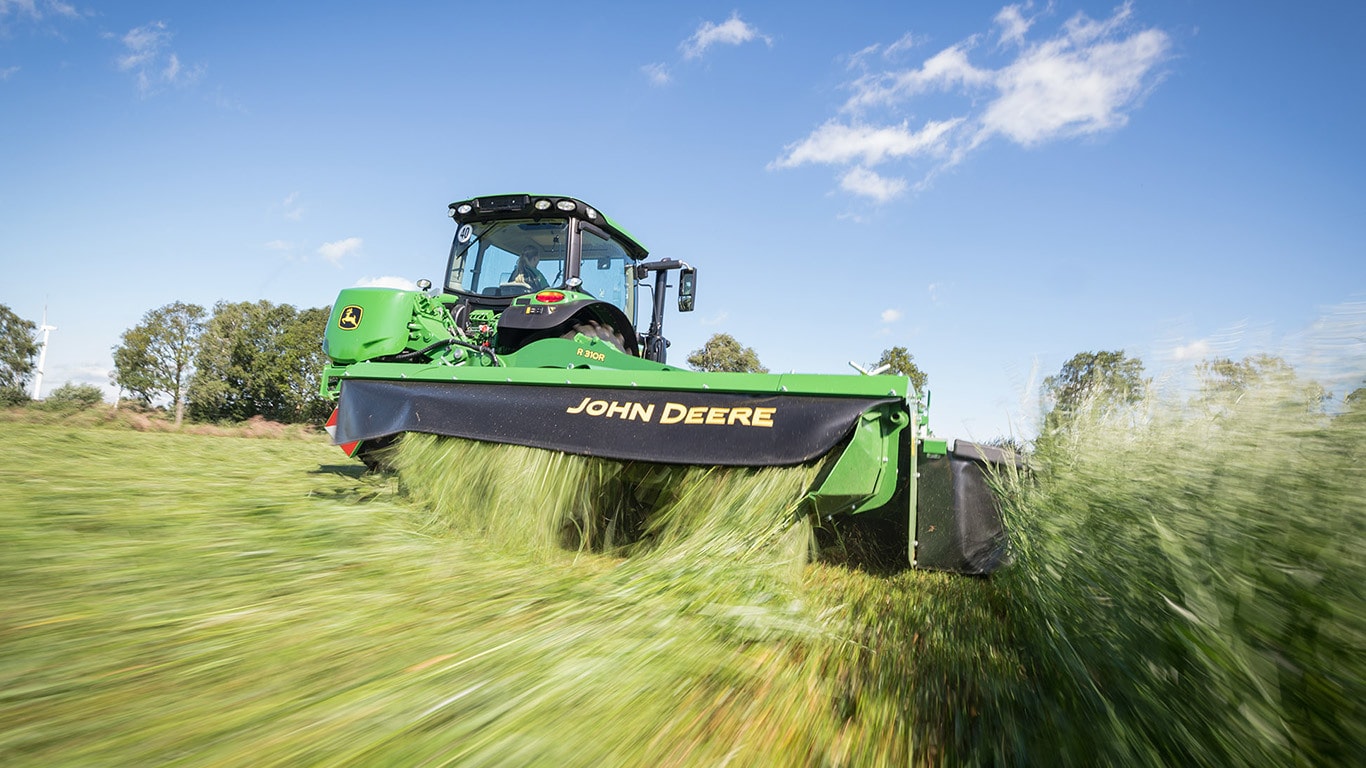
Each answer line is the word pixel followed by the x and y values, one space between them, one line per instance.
pixel 596 330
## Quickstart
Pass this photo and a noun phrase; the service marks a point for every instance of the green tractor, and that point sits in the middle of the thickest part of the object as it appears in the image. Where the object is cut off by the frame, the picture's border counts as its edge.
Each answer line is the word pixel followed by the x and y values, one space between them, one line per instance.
pixel 533 340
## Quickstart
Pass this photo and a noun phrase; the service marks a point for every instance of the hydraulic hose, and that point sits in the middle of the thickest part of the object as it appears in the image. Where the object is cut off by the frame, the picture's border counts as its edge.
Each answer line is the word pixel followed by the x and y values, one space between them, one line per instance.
pixel 485 351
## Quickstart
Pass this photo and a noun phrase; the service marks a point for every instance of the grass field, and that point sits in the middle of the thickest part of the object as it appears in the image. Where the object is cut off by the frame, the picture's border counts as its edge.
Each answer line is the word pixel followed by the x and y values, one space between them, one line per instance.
pixel 1180 597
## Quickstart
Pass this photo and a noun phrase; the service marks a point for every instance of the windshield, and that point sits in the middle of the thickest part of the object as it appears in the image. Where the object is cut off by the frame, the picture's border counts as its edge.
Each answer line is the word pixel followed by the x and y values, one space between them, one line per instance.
pixel 517 256
pixel 508 258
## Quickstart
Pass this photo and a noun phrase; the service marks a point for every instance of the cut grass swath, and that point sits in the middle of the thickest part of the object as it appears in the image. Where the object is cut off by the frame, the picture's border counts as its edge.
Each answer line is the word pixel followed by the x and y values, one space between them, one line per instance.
pixel 1186 591
pixel 545 500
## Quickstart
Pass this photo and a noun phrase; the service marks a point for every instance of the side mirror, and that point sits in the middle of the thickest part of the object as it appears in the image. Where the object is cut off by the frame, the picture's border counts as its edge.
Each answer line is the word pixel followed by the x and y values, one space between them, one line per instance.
pixel 687 286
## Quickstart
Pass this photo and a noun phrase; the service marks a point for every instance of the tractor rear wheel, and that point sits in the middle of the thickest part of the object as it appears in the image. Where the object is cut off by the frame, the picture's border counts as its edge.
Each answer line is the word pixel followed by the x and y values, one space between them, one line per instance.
pixel 596 330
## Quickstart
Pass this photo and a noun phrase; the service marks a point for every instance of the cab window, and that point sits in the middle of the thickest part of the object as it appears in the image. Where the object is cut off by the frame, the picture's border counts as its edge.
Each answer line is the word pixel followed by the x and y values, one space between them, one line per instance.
pixel 605 271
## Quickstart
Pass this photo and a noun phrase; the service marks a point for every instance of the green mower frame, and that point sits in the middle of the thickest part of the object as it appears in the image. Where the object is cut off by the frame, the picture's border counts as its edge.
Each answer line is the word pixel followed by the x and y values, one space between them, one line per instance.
pixel 493 355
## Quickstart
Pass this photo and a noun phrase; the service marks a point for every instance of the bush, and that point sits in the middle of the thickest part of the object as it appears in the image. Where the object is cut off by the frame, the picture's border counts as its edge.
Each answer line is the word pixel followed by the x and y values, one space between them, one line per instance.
pixel 76 397
pixel 11 397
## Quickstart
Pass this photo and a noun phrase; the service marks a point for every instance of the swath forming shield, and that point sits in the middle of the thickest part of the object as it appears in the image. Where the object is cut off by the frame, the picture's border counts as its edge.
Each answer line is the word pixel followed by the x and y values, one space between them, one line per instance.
pixel 667 427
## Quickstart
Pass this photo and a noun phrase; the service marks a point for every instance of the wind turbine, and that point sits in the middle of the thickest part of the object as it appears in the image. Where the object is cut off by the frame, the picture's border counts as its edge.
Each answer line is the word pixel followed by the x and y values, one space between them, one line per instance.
pixel 42 355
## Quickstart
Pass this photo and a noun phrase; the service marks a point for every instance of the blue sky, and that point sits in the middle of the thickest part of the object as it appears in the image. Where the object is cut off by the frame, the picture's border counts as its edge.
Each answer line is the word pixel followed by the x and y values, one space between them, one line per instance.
pixel 994 186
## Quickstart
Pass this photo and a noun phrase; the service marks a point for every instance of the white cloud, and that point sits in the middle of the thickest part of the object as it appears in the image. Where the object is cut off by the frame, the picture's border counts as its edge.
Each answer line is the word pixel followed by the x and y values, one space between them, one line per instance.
pixel 387 281
pixel 279 245
pixel 948 68
pixel 1058 89
pixel 36 11
pixel 91 372
pixel 7 72
pixel 657 74
pixel 891 315
pixel 865 183
pixel 1013 25
pixel 334 252
pixel 24 7
pixel 142 44
pixel 732 31
pixel 1084 29
pixel 905 43
pixel 1083 80
pixel 836 143
pixel 292 211
pixel 858 58
pixel 59 375
pixel 1196 350
pixel 147 58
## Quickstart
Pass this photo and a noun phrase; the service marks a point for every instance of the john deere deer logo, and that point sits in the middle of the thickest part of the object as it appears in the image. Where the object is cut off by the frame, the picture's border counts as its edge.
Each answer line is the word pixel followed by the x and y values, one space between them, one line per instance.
pixel 350 318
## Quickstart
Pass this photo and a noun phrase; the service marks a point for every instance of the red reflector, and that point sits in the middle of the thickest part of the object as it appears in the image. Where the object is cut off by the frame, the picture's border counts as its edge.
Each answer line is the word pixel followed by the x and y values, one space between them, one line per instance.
pixel 550 297
pixel 348 448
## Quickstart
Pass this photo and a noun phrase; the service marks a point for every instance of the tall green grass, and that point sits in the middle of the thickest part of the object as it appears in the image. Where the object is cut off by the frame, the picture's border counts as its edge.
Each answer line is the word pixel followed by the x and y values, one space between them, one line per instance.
pixel 202 600
pixel 1189 585
pixel 1187 590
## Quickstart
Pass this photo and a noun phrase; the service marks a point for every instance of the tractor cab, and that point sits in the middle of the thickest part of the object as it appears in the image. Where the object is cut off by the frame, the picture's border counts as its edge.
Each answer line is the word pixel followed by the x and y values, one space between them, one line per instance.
pixel 499 241
pixel 526 252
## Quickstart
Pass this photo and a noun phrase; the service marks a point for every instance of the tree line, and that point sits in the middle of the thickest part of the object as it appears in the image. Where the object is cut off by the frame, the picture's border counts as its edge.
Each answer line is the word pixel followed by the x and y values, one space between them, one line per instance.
pixel 242 360
pixel 247 359
pixel 1111 383
pixel 723 353
pixel 1107 381
pixel 18 349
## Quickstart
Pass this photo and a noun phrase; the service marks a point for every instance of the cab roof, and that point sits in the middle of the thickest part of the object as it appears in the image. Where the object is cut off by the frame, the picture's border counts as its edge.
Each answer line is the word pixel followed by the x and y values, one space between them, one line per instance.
pixel 495 207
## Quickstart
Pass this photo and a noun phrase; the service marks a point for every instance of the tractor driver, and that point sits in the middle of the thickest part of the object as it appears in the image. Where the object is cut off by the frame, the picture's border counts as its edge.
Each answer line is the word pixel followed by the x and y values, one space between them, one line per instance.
pixel 526 271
